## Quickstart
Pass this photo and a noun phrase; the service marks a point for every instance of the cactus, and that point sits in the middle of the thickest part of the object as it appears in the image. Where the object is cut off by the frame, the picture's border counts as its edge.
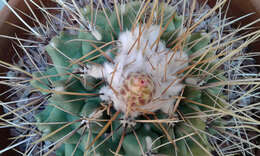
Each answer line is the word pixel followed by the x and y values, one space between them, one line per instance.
pixel 137 82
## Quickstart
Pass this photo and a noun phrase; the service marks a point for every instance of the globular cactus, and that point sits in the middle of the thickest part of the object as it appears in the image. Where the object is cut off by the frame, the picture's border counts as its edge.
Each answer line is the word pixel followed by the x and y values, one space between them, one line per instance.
pixel 138 81
pixel 137 75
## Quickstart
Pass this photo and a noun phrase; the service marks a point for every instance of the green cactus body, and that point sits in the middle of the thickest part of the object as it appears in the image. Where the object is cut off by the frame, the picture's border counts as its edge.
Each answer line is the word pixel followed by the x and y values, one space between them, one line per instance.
pixel 74 97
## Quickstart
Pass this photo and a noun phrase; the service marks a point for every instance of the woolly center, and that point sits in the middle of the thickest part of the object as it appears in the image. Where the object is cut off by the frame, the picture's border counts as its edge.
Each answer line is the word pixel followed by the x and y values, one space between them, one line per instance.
pixel 137 90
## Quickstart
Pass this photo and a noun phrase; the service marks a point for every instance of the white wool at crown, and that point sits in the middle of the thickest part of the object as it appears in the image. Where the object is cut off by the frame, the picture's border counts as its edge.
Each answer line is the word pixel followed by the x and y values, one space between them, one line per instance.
pixel 147 56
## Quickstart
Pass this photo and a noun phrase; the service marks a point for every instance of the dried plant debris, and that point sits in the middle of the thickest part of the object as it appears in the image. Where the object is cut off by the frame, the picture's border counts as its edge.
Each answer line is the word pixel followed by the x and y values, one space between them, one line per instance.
pixel 151 78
